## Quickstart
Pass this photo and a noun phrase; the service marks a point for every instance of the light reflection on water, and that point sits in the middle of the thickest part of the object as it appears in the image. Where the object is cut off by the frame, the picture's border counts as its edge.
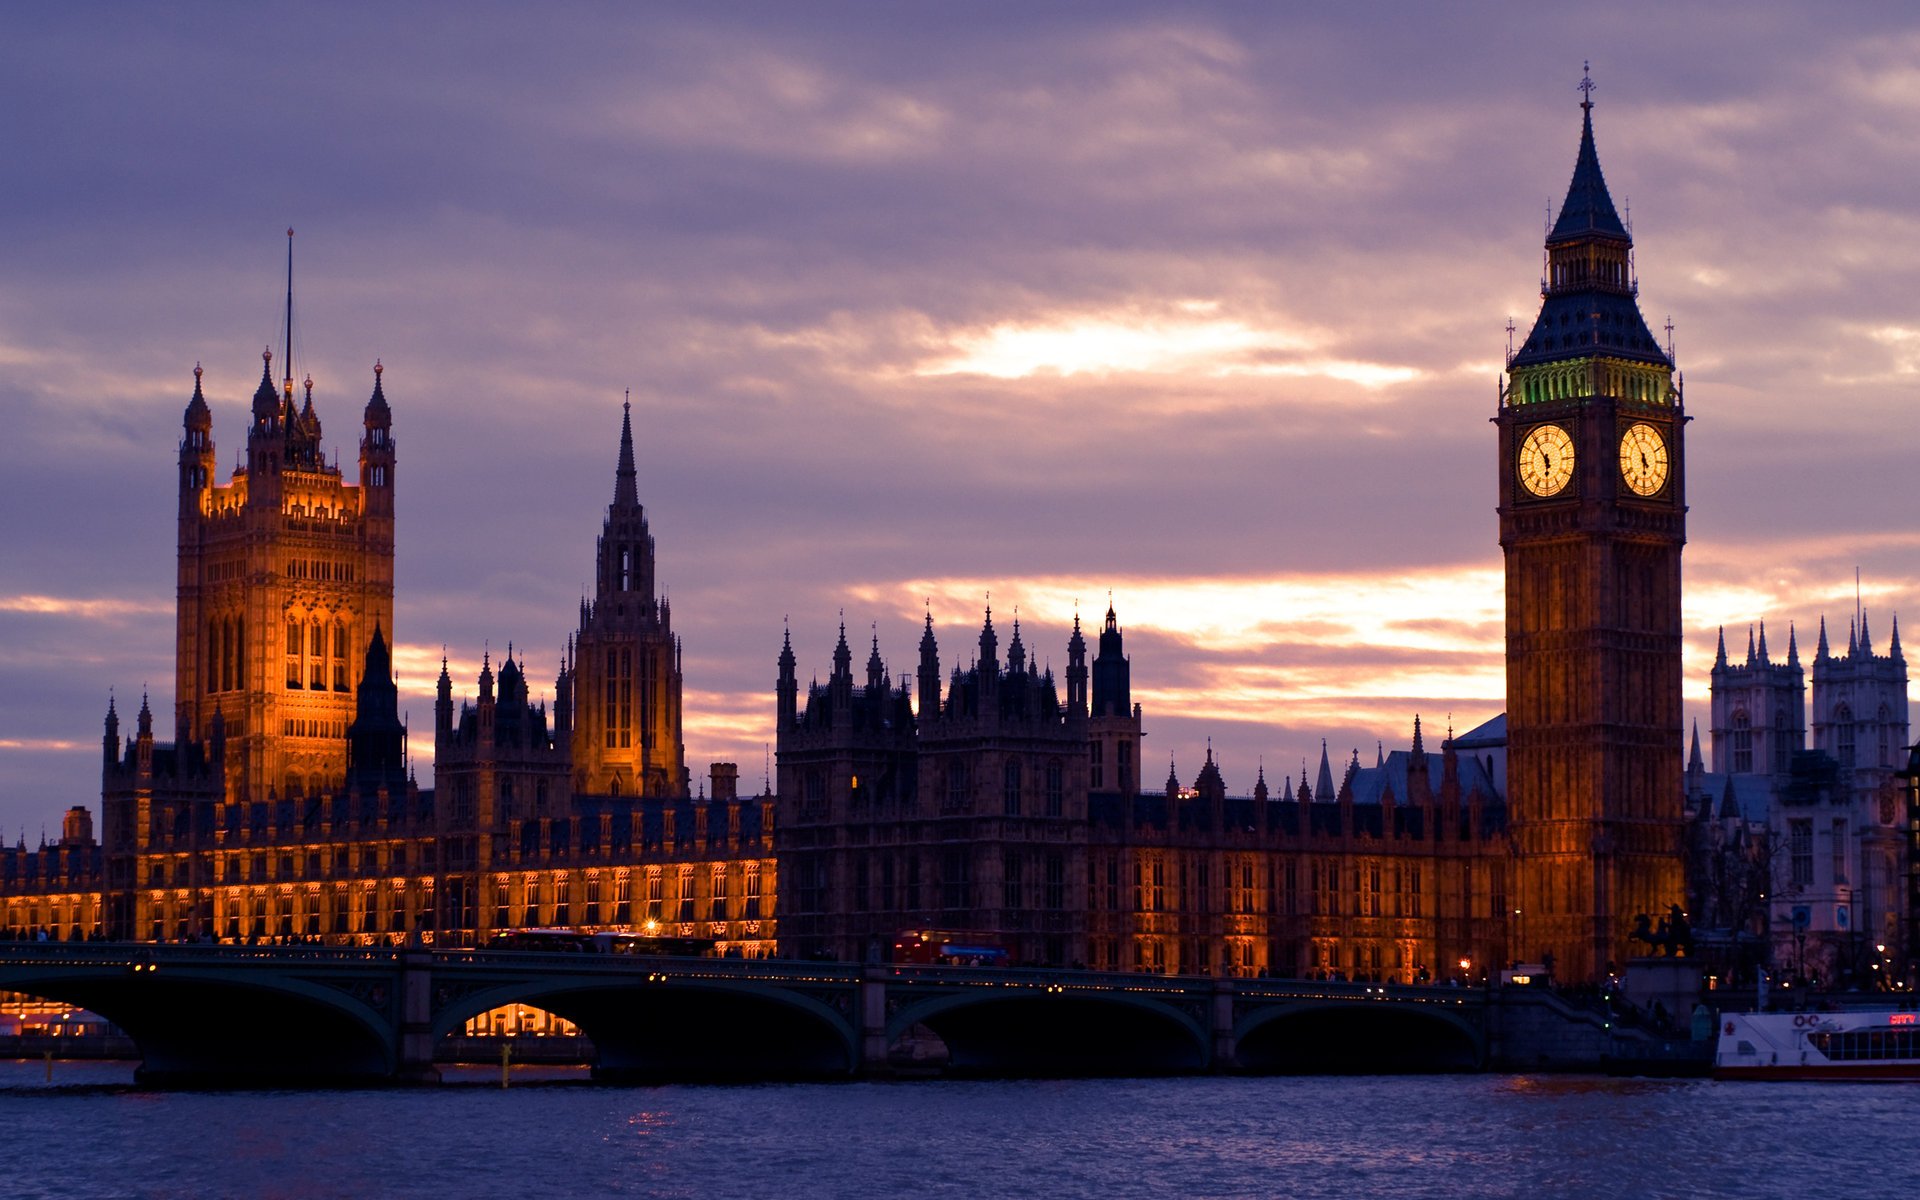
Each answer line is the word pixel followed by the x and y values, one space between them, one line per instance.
pixel 553 1134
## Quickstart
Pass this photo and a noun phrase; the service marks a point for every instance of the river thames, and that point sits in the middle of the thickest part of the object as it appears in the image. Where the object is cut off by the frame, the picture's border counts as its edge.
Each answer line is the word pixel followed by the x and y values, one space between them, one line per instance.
pixel 89 1133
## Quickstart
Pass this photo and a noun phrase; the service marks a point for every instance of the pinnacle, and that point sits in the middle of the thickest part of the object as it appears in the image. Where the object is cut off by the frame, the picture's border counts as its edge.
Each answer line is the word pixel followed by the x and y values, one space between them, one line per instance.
pixel 626 493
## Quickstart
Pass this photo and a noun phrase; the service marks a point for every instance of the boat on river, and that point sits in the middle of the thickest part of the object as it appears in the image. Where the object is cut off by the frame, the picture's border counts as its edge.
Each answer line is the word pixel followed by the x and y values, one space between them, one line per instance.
pixel 1866 1044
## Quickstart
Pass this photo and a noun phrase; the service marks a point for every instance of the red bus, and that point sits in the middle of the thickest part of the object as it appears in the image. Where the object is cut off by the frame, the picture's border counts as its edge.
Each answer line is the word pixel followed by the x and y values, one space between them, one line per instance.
pixel 950 948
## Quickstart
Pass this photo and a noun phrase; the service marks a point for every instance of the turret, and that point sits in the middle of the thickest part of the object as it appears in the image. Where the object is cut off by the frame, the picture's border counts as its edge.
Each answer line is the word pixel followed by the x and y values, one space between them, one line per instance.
pixel 929 674
pixel 143 737
pixel 264 435
pixel 376 448
pixel 1016 650
pixel 840 683
pixel 1077 671
pixel 563 698
pixel 876 672
pixel 196 450
pixel 989 650
pixel 1112 681
pixel 110 740
pixel 443 707
pixel 788 687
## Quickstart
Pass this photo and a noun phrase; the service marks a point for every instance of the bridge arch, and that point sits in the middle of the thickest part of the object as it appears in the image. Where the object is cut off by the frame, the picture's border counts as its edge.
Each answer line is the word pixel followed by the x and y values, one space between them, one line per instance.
pixel 675 1028
pixel 1357 1037
pixel 202 1024
pixel 1058 1031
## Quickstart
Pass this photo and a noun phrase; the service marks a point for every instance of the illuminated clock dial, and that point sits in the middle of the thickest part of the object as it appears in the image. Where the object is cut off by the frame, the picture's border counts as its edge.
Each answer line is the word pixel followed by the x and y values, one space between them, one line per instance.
pixel 1546 460
pixel 1643 458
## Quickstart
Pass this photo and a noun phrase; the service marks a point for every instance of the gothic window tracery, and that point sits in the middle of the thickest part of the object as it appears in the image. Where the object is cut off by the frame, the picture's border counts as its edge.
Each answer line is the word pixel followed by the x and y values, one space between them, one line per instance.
pixel 1742 742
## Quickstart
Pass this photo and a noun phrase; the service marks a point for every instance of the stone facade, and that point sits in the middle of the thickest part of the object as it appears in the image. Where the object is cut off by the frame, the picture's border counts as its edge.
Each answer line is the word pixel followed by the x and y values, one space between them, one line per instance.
pixel 1010 823
pixel 1592 521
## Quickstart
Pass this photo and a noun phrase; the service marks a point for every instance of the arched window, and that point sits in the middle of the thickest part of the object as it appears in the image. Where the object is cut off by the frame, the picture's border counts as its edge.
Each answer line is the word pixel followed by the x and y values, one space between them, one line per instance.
pixel 1010 791
pixel 1783 747
pixel 214 631
pixel 957 785
pixel 1885 731
pixel 339 656
pixel 1056 788
pixel 1843 743
pixel 316 655
pixel 1742 743
pixel 293 654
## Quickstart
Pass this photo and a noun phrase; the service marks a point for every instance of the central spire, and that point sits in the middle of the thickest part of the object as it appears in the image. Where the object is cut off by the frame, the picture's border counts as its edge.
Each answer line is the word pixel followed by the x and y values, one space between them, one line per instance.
pixel 1590 289
pixel 626 493
pixel 1588 209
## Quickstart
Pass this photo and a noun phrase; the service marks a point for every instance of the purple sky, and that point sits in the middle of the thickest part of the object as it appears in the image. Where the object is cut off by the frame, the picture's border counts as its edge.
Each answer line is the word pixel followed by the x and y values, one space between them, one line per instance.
pixel 1204 306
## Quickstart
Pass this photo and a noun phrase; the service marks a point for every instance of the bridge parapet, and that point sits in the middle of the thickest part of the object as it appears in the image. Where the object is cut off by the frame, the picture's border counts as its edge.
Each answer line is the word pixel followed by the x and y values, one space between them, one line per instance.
pixel 263 1012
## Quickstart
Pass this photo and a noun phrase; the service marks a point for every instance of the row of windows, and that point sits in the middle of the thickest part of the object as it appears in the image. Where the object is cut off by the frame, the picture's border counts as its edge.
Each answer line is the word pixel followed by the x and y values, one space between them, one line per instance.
pixel 604 900
pixel 310 665
pixel 1864 1045
pixel 303 727
pixel 322 570
pixel 1846 739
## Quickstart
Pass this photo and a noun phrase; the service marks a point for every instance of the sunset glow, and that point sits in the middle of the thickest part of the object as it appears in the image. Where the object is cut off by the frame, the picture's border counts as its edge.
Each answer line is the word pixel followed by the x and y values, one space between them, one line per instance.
pixel 1206 308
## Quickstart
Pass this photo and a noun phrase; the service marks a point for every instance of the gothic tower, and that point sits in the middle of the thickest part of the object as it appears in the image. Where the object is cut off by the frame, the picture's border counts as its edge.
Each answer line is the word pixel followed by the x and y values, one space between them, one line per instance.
pixel 1758 709
pixel 284 573
pixel 625 681
pixel 1592 520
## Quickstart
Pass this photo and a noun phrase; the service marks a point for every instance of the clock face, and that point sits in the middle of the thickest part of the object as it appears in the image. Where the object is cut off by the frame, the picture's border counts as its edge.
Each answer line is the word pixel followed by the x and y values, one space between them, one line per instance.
pixel 1546 460
pixel 1643 458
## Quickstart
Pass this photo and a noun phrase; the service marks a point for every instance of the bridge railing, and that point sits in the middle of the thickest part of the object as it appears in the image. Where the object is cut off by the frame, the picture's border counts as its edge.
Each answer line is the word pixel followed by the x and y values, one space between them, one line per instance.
pixel 176 952
pixel 679 966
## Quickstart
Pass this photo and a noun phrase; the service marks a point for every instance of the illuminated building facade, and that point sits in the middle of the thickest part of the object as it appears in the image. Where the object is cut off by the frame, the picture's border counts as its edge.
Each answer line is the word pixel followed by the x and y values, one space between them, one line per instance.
pixel 285 572
pixel 285 806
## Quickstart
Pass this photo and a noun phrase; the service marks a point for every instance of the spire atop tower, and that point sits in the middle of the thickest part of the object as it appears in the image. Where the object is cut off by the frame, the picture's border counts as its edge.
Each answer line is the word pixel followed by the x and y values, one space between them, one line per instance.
pixel 1763 644
pixel 1588 208
pixel 1793 647
pixel 1720 654
pixel 1752 654
pixel 1893 647
pixel 1820 651
pixel 626 492
pixel 1323 781
pixel 1693 756
pixel 287 345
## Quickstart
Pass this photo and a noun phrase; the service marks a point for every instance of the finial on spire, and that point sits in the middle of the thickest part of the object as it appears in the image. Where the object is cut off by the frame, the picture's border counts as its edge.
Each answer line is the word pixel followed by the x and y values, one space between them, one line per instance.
pixel 377 368
pixel 196 374
pixel 1586 84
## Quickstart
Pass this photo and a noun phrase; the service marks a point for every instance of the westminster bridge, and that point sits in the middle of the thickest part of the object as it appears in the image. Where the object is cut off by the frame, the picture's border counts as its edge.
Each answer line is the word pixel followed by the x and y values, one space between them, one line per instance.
pixel 232 1014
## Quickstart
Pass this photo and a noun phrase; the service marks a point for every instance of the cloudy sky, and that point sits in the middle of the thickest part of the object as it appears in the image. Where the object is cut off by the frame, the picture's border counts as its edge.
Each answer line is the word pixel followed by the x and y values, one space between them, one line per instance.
pixel 1203 306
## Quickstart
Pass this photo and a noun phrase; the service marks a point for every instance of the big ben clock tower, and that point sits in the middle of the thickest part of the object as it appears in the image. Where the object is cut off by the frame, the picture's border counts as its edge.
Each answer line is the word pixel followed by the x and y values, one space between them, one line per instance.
pixel 1592 520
